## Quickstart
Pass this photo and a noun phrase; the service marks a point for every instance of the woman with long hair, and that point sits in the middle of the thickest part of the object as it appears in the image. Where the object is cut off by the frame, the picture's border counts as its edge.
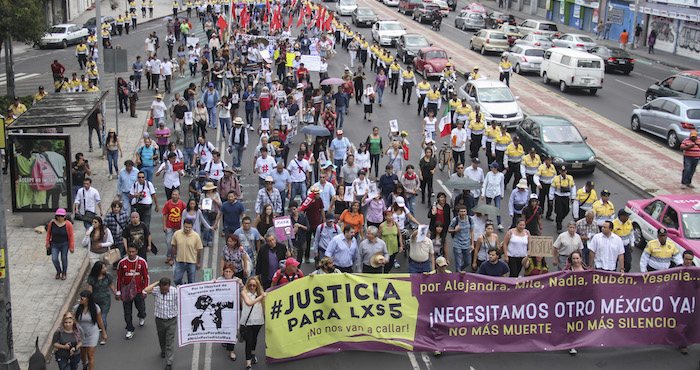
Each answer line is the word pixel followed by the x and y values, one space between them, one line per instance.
pixel 98 239
pixel 87 314
pixel 181 57
pixel 201 118
pixel 172 148
pixel 515 247
pixel 575 262
pixel 263 221
pixel 535 265
pixel 438 237
pixel 426 169
pixel 354 218
pixel 376 150
pixel 227 273
pixel 252 318
pixel 193 213
pixel 100 283
pixel 59 240
pixel 67 342
pixel 482 245
pixel 390 233
pixel 113 149
pixel 338 203
pixel 234 254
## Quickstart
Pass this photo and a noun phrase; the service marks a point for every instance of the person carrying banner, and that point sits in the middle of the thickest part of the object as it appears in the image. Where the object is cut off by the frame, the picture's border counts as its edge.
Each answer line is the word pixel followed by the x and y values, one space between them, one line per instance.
pixel 165 311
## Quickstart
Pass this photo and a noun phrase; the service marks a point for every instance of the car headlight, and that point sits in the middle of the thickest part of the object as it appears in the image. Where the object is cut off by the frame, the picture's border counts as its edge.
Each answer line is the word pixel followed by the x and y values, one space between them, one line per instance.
pixel 486 114
pixel 592 158
pixel 558 160
pixel 428 68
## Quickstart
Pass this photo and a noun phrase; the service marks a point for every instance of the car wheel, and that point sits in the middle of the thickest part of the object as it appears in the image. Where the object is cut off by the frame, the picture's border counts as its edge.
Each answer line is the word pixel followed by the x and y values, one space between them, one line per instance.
pixel 562 86
pixel 64 44
pixel 405 60
pixel 627 71
pixel 517 68
pixel 483 50
pixel 635 124
pixel 545 79
pixel 672 140
pixel 649 98
pixel 471 46
pixel 639 241
pixel 593 91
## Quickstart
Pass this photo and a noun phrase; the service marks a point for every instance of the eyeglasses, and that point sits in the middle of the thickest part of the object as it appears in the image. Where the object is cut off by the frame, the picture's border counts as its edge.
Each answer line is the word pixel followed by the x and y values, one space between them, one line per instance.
pixel 142 177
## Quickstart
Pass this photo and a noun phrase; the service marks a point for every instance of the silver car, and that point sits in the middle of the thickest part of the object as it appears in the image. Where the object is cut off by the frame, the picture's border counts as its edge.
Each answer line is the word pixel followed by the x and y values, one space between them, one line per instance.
pixel 468 20
pixel 345 7
pixel 575 41
pixel 495 99
pixel 671 119
pixel 525 58
pixel 538 41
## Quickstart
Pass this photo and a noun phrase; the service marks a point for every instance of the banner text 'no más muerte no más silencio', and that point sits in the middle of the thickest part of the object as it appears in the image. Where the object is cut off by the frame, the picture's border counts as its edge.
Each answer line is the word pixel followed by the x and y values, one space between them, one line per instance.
pixel 474 313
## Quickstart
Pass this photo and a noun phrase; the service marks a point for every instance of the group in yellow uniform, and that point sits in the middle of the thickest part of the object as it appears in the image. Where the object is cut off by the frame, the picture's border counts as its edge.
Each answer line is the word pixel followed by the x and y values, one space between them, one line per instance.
pixel 622 227
pixel 603 208
pixel 584 199
pixel 659 253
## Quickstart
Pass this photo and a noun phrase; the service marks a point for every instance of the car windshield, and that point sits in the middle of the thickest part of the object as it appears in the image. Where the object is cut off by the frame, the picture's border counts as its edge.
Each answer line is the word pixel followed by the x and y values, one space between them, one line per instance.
pixel 391 27
pixel 348 3
pixel 618 53
pixel 691 225
pixel 361 11
pixel 589 63
pixel 477 8
pixel 90 22
pixel 561 134
pixel 534 52
pixel 57 30
pixel 548 27
pixel 495 95
pixel 584 39
pixel 543 38
pixel 511 29
pixel 475 16
pixel 436 54
pixel 416 42
pixel 497 36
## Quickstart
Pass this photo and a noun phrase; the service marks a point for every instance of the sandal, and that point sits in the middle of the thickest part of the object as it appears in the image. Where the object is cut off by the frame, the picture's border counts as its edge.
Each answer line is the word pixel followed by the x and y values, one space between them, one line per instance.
pixel 58 275
pixel 232 356
pixel 63 277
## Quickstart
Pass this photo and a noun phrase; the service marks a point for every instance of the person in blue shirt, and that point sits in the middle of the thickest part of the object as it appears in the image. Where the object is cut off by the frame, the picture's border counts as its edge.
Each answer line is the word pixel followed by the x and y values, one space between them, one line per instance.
pixel 249 97
pixel 210 98
pixel 305 44
pixel 137 67
pixel 462 238
pixel 340 107
pixel 282 183
pixel 387 183
pixel 127 177
pixel 327 190
pixel 343 249
pixel 339 148
pixel 146 155
pixel 232 211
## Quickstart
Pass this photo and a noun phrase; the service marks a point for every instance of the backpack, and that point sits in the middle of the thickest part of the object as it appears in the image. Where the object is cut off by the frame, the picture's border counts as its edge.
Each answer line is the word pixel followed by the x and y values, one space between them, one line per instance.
pixel 43 175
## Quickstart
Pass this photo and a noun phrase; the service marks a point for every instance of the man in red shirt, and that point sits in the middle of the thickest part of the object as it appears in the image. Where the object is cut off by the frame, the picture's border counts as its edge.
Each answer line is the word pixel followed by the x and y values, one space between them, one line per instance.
pixel 691 157
pixel 57 70
pixel 132 267
pixel 290 272
pixel 302 71
pixel 172 219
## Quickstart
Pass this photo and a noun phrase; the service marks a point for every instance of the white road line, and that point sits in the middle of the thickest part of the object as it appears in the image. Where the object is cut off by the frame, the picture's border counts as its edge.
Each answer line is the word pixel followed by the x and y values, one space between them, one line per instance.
pixel 426 359
pixel 645 76
pixel 414 362
pixel 195 357
pixel 447 191
pixel 635 105
pixel 18 77
pixel 630 85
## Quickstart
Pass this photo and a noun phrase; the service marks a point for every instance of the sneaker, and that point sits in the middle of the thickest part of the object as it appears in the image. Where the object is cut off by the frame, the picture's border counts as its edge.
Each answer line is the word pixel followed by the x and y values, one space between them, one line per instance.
pixel 573 352
pixel 396 264
pixel 142 321
pixel 109 177
pixel 684 186
pixel 254 360
pixel 129 334
pixel 691 186
pixel 500 227
pixel 103 341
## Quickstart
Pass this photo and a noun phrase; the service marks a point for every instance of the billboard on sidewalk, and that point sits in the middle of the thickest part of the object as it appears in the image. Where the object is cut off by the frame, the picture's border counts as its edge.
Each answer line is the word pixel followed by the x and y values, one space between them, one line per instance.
pixel 40 172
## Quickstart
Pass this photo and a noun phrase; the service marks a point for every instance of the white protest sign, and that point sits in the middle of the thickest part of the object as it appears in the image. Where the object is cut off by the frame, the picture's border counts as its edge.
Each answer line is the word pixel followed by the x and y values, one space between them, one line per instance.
pixel 311 62
pixel 192 41
pixel 349 194
pixel 394 125
pixel 208 312
pixel 373 193
pixel 188 118
pixel 422 233
pixel 265 54
pixel 264 124
pixel 207 204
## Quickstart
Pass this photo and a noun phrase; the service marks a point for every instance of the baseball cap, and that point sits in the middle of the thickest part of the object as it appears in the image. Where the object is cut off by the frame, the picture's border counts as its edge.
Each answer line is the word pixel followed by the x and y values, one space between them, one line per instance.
pixel 605 193
pixel 211 84
pixel 330 216
pixel 60 212
pixel 623 212
pixel 441 261
pixel 476 160
pixel 291 261
pixel 202 173
pixel 693 133
pixel 590 184
pixel 339 132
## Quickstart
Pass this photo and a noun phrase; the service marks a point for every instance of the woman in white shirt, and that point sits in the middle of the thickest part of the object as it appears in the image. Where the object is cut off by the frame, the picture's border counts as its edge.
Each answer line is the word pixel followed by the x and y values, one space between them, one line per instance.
pixel 395 153
pixel 97 239
pixel 368 101
pixel 515 247
pixel 224 115
pixel 252 318
pixel 459 143
pixel 493 189
pixel 362 158
pixel 429 125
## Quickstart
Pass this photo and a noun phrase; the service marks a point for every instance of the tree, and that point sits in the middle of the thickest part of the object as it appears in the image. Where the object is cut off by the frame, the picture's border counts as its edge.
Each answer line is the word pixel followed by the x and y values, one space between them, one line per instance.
pixel 23 21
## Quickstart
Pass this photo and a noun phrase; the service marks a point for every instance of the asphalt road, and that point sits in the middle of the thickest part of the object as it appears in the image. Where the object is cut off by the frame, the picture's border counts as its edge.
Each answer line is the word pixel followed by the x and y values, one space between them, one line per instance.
pixel 142 352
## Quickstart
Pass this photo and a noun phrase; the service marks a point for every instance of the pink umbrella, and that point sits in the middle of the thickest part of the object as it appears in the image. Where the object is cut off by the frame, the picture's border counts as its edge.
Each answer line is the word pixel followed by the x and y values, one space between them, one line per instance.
pixel 332 81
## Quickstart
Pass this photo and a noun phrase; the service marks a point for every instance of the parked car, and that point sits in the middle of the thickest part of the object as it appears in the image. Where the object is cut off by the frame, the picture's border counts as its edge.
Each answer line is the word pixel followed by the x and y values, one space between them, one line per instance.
pixel 468 20
pixel 575 41
pixel 538 27
pixel 363 15
pixel 90 24
pixel 555 136
pixel 495 99
pixel 538 41
pixel 391 2
pixel 426 12
pixel 679 214
pixel 489 40
pixel 407 6
pixel 476 8
pixel 674 86
pixel 63 35
pixel 525 58
pixel 512 32
pixel 408 46
pixel 493 20
pixel 430 61
pixel 671 119
pixel 572 68
pixel 386 32
pixel 345 7
pixel 444 7
pixel 615 59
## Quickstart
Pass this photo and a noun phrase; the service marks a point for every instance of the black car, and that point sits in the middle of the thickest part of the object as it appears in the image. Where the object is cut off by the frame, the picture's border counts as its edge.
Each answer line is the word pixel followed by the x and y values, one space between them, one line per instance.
pixel 496 18
pixel 452 4
pixel 363 16
pixel 408 46
pixel 426 12
pixel 90 24
pixel 616 59
pixel 674 87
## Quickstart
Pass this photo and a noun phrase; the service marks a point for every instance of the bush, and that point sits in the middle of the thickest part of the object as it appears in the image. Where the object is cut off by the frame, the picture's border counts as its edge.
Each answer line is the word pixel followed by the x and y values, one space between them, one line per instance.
pixel 6 101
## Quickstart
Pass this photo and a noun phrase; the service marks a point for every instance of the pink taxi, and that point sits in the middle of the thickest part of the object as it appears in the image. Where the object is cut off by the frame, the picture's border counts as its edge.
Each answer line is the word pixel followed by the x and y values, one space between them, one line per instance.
pixel 679 214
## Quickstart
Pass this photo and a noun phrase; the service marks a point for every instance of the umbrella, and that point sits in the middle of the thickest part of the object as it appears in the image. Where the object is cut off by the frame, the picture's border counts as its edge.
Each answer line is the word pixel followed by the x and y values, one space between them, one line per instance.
pixel 486 209
pixel 332 81
pixel 462 183
pixel 315 131
pixel 263 41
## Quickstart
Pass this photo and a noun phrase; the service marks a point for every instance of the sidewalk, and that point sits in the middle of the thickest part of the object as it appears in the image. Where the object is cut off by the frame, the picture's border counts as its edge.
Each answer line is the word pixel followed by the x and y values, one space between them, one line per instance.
pixel 660 57
pixel 638 160
pixel 162 8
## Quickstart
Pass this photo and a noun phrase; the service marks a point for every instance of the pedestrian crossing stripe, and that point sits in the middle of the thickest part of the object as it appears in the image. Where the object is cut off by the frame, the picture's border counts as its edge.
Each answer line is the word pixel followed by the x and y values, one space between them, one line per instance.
pixel 18 76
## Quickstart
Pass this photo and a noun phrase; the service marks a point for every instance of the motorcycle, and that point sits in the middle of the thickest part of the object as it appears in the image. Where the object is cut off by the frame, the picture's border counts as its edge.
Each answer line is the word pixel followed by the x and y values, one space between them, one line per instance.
pixel 436 23
pixel 447 87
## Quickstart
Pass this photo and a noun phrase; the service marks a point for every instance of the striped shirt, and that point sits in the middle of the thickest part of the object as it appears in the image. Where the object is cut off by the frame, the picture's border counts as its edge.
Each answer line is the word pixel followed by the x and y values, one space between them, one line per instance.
pixel 165 304
pixel 694 151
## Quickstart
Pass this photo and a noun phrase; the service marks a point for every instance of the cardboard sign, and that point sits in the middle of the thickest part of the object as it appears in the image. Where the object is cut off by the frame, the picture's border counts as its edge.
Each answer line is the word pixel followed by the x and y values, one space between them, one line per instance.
pixel 540 246
pixel 283 228
pixel 394 125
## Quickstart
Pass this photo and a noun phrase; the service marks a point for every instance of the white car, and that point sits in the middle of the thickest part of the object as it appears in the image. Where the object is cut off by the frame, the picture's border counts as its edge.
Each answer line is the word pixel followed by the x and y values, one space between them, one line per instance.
pixel 345 7
pixel 575 41
pixel 63 35
pixel 391 2
pixel 495 99
pixel 387 32
pixel 538 27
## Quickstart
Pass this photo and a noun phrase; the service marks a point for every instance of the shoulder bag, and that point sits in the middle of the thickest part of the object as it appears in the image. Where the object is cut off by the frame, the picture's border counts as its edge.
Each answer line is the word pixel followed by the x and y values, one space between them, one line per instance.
pixel 240 337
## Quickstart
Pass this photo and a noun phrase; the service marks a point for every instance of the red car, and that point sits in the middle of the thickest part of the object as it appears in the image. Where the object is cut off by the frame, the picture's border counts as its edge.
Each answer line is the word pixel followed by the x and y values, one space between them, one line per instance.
pixel 430 61
pixel 407 6
pixel 679 214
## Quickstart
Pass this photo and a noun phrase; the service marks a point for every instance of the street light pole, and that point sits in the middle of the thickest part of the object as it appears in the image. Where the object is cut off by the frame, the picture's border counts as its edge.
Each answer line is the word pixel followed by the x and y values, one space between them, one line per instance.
pixel 8 361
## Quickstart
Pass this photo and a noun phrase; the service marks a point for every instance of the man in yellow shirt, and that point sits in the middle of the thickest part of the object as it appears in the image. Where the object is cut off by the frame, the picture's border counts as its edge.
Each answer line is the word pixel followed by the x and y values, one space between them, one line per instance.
pixel 659 253
pixel 143 9
pixel 531 163
pixel 81 51
pixel 176 8
pixel 492 131
pixel 622 227
pixel 188 7
pixel 394 73
pixel 584 200
pixel 92 87
pixel 543 179
pixel 40 95
pixel 603 208
pixel 421 90
pixel 513 159
pixel 127 22
pixel 408 80
pixel 562 192
pixel 17 107
pixel 477 128
pixel 500 144
pixel 120 24
pixel 432 101
pixel 475 75
pixel 462 112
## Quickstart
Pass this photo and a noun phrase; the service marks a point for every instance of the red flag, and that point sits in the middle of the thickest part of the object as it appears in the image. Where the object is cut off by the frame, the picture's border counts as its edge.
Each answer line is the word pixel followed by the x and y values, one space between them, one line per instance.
pixel 276 22
pixel 289 24
pixel 307 10
pixel 327 23
pixel 301 19
pixel 244 17
pixel 221 23
pixel 321 15
pixel 267 10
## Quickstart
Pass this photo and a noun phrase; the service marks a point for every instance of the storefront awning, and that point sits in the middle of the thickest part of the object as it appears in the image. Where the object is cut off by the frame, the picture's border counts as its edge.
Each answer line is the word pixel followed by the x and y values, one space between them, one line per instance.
pixel 59 110
pixel 670 11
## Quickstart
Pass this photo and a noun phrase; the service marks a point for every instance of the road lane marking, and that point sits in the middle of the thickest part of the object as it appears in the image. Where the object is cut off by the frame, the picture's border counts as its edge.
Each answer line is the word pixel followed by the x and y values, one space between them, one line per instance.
pixel 448 192
pixel 630 85
pixel 414 362
pixel 426 359
pixel 635 105
pixel 643 75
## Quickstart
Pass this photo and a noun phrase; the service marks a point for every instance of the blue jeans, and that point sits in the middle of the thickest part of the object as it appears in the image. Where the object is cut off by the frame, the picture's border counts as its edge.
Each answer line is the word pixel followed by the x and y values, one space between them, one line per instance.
pixel 236 155
pixel 148 170
pixel 212 116
pixel 192 104
pixel 338 162
pixel 299 188
pixel 188 155
pixel 68 363
pixel 225 126
pixel 497 203
pixel 380 92
pixel 463 258
pixel 417 268
pixel 156 121
pixel 411 202
pixel 168 242
pixel 249 117
pixel 126 202
pixel 208 234
pixel 61 248
pixel 112 157
pixel 689 166
pixel 181 268
pixel 340 119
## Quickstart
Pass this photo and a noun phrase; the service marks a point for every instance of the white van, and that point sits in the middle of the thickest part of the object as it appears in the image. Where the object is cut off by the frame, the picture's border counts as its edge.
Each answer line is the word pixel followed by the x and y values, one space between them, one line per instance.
pixel 573 69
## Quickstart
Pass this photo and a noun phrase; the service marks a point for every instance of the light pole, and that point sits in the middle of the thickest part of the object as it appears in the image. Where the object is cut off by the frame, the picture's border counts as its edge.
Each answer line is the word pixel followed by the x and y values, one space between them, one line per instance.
pixel 8 361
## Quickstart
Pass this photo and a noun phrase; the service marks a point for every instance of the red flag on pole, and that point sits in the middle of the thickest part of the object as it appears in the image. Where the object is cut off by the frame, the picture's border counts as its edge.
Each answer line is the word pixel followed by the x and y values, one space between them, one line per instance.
pixel 221 23
pixel 319 18
pixel 301 19
pixel 276 22
pixel 327 23
pixel 307 10
pixel 244 17
pixel 291 16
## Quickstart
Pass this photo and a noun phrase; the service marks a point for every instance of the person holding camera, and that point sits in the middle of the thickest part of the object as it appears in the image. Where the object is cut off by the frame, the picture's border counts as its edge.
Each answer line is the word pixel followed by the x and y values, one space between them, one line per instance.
pixel 691 157
pixel 79 169
pixel 66 341
pixel 143 195
pixel 87 200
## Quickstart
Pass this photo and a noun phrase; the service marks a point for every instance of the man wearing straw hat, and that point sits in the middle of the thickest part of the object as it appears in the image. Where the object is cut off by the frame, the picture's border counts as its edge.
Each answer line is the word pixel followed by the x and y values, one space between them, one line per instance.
pixel 238 142
pixel 269 195
pixel 371 249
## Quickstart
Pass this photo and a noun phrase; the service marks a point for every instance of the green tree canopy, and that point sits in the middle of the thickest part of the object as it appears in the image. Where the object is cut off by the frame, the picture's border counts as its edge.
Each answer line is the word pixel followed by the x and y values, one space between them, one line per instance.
pixel 22 20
